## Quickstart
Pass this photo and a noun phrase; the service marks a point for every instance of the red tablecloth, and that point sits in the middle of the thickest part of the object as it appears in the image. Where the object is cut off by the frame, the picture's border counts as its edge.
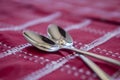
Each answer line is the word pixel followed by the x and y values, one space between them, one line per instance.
pixel 87 21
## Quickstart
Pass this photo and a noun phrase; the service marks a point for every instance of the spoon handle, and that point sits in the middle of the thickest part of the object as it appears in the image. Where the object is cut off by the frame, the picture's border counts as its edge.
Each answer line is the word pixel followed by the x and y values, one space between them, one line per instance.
pixel 101 74
pixel 96 56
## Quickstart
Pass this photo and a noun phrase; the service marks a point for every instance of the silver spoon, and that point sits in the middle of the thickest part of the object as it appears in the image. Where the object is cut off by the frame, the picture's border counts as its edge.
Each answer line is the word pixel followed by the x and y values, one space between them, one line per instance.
pixel 40 41
pixel 54 29
pixel 65 41
pixel 49 45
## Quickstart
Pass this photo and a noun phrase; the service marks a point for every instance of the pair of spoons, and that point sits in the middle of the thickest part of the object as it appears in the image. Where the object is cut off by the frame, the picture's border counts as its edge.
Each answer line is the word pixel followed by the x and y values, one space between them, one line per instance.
pixel 60 39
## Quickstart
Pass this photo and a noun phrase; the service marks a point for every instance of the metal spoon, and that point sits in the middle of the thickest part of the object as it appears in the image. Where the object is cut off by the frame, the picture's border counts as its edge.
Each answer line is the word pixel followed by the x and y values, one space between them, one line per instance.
pixel 54 29
pixel 40 41
pixel 48 45
pixel 65 41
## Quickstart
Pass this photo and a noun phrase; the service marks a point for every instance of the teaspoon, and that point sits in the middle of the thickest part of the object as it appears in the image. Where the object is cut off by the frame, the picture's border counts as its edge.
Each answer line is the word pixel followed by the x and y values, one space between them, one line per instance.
pixel 65 41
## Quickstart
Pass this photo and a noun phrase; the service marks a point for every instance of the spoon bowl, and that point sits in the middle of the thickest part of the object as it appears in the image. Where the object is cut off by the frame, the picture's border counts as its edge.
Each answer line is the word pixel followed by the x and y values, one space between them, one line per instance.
pixel 59 36
pixel 41 42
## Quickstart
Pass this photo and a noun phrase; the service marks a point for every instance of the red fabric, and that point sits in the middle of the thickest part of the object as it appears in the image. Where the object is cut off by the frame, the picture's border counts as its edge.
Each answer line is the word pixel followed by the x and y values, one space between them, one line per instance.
pixel 104 16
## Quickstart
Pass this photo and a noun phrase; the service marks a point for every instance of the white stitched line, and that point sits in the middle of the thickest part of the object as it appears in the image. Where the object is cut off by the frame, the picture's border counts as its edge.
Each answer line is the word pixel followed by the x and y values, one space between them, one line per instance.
pixel 74 70
pixel 14 50
pixel 78 26
pixel 95 31
pixel 106 37
pixel 33 58
pixel 88 29
pixel 102 39
pixel 100 32
pixel 51 68
pixel 34 22
pixel 86 10
pixel 104 51
pixel 43 60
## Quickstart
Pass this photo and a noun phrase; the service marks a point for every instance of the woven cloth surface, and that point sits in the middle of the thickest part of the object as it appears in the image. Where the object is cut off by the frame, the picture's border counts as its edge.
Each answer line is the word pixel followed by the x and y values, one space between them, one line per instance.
pixel 93 24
